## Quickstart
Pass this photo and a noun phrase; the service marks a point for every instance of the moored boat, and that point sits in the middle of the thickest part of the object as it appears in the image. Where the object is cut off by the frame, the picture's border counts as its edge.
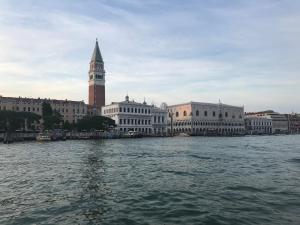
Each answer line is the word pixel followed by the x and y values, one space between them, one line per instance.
pixel 43 137
pixel 183 135
pixel 132 134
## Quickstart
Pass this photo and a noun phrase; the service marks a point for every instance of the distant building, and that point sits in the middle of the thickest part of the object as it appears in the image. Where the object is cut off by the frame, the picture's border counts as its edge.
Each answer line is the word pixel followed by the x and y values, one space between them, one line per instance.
pixel 96 81
pixel 140 117
pixel 159 120
pixel 197 118
pixel 293 123
pixel 71 111
pixel 258 124
pixel 280 123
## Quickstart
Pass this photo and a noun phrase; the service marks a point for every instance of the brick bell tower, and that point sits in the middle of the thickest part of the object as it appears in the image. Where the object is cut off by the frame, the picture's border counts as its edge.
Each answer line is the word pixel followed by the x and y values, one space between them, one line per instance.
pixel 97 79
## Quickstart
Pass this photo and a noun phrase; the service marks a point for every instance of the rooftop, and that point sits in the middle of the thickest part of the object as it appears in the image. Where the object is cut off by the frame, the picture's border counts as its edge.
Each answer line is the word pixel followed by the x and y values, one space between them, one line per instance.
pixel 205 103
pixel 25 99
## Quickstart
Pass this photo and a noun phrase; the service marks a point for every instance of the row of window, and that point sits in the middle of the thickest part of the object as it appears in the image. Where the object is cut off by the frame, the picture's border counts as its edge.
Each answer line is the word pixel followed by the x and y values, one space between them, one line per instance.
pixel 199 130
pixel 28 109
pixel 33 109
pixel 63 110
pixel 259 128
pixel 207 124
pixel 159 119
pixel 40 103
pixel 97 76
pixel 206 114
pixel 128 110
pixel 134 121
pixel 260 123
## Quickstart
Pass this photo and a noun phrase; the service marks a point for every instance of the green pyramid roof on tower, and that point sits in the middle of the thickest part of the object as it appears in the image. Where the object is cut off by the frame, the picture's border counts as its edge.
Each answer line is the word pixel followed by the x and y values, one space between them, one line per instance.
pixel 97 57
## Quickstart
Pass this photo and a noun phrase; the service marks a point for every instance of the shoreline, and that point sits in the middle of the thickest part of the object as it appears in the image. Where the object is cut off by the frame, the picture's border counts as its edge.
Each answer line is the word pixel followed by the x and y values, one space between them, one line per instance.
pixel 32 137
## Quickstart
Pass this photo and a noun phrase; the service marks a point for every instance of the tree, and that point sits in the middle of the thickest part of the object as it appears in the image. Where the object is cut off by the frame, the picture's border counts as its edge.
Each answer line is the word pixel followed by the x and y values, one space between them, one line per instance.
pixel 46 109
pixel 67 125
pixel 11 121
pixel 52 119
pixel 95 123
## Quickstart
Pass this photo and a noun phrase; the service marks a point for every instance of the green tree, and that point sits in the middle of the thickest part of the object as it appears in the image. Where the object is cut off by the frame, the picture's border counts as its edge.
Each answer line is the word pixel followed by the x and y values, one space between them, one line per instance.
pixel 46 109
pixel 95 123
pixel 52 119
pixel 68 126
pixel 11 121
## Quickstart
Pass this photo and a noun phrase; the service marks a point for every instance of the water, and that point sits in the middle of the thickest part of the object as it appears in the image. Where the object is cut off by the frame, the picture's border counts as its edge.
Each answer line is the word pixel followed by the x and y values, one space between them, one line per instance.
pixel 192 180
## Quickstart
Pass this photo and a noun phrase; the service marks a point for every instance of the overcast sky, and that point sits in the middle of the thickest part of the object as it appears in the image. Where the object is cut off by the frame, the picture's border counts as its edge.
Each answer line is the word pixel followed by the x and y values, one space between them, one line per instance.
pixel 242 52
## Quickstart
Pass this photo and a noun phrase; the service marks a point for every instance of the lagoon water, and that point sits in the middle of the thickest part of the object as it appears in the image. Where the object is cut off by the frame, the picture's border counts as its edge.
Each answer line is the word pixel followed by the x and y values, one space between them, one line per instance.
pixel 184 180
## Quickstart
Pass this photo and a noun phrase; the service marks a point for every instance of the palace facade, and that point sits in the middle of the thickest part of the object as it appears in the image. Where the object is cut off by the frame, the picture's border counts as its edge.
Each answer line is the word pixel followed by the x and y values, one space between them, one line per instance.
pixel 197 118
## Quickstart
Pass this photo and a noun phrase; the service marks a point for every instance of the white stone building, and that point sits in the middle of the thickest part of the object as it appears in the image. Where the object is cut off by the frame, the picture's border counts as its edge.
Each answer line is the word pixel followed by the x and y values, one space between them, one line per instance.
pixel 71 111
pixel 197 118
pixel 280 123
pixel 133 116
pixel 258 124
pixel 159 121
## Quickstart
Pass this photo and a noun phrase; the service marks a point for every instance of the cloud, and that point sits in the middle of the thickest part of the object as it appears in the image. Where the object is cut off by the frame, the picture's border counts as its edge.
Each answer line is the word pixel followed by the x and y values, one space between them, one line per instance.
pixel 244 52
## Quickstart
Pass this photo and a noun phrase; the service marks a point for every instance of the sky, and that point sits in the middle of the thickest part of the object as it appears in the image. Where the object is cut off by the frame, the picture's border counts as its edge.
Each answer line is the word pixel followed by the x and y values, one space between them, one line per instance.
pixel 245 53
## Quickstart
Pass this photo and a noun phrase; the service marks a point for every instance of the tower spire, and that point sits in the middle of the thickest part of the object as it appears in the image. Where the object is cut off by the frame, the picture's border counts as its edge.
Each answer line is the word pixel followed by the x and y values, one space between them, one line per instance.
pixel 97 57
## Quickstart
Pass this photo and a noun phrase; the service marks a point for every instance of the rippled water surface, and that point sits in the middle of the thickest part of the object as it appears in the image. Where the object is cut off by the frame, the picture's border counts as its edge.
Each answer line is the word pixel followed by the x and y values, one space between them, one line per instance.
pixel 191 180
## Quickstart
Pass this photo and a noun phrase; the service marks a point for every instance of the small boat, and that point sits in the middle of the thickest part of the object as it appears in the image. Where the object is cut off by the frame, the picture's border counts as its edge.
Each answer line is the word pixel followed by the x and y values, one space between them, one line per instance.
pixel 43 137
pixel 183 135
pixel 132 134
